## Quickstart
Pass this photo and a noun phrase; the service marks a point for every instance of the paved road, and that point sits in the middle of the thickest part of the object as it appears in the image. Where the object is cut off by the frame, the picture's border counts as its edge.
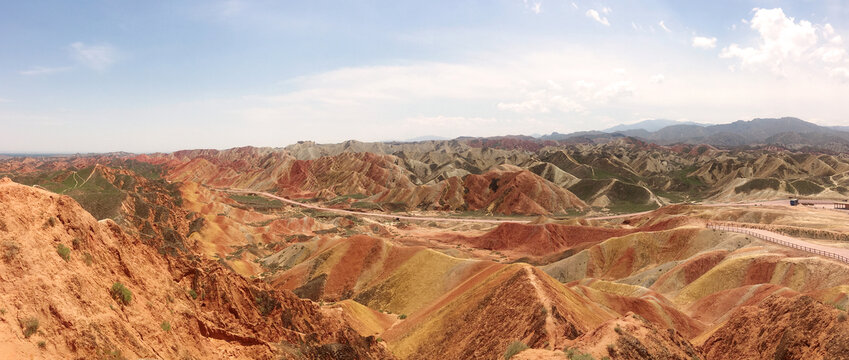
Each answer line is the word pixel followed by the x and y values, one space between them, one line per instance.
pixel 840 254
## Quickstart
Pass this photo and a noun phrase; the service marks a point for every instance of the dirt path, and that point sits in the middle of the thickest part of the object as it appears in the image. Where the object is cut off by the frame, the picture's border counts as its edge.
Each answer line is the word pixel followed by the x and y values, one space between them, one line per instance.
pixel 90 175
pixel 550 327
pixel 840 254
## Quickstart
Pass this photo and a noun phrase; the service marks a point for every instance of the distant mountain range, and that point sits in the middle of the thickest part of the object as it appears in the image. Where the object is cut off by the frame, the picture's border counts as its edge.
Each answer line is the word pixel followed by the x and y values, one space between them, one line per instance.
pixel 787 132
pixel 649 125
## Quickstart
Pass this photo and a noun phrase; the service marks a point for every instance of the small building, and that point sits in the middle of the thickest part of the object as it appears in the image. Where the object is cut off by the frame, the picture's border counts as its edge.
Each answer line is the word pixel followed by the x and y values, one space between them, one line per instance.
pixel 841 205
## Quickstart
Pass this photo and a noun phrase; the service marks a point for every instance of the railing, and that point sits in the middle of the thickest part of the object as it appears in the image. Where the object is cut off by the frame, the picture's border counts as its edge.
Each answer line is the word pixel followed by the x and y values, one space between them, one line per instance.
pixel 766 237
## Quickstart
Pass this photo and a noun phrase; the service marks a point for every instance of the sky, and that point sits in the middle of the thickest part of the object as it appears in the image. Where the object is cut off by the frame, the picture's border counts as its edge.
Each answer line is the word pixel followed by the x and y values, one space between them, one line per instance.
pixel 160 76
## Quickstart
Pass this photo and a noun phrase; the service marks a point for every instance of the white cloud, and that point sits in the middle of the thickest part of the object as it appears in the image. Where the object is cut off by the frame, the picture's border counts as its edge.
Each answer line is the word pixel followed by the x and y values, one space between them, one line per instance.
pixel 663 26
pixel 615 91
pixel 593 14
pixel 97 57
pixel 841 74
pixel 830 54
pixel 657 79
pixel 782 39
pixel 450 121
pixel 574 5
pixel 534 6
pixel 606 10
pixel 40 70
pixel 702 42
pixel 542 102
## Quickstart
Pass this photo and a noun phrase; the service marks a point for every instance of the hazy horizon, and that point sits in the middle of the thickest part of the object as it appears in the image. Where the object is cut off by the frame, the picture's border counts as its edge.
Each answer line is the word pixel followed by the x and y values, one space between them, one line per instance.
pixel 164 76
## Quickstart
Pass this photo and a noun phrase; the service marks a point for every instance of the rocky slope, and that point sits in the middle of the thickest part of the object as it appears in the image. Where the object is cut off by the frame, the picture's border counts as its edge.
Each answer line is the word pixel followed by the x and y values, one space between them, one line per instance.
pixel 782 328
pixel 59 295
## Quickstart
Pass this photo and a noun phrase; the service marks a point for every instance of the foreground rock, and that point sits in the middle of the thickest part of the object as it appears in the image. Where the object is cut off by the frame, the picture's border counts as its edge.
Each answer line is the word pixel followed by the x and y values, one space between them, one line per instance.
pixel 59 296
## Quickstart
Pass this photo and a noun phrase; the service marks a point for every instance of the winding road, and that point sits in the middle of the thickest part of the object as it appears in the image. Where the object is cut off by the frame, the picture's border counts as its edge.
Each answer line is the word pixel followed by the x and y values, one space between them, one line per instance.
pixel 784 240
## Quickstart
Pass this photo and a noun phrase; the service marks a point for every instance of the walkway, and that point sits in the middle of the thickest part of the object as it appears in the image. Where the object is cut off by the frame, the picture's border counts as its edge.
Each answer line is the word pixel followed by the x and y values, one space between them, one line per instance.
pixel 784 240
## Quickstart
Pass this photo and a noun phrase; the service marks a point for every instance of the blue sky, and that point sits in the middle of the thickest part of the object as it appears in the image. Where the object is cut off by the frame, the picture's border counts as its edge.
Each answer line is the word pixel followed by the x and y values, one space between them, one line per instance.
pixel 100 76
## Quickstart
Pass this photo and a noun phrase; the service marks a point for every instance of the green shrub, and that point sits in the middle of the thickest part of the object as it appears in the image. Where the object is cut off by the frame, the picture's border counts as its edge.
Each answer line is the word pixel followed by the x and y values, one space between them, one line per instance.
pixel 514 348
pixel 121 293
pixel 166 326
pixel 87 259
pixel 193 294
pixel 30 326
pixel 403 316
pixel 76 243
pixel 64 252
pixel 42 344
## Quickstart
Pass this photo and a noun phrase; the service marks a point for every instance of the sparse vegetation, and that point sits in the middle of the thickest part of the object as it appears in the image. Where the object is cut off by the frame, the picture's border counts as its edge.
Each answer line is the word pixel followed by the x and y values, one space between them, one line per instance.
pixel 29 326
pixel 193 294
pixel 75 244
pixel 51 222
pixel 758 184
pixel 266 302
pixel 166 326
pixel 11 250
pixel 42 344
pixel 114 354
pixel 257 202
pixel 64 252
pixel 121 293
pixel 87 259
pixel 574 354
pixel 514 348
pixel 805 187
pixel 403 316
pixel 366 205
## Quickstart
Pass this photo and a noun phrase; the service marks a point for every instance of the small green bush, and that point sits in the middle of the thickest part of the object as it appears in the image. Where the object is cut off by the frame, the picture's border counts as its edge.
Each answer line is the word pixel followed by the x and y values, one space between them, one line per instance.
pixel 193 294
pixel 514 348
pixel 166 326
pixel 121 293
pixel 42 344
pixel 76 243
pixel 403 316
pixel 87 259
pixel 64 252
pixel 30 326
